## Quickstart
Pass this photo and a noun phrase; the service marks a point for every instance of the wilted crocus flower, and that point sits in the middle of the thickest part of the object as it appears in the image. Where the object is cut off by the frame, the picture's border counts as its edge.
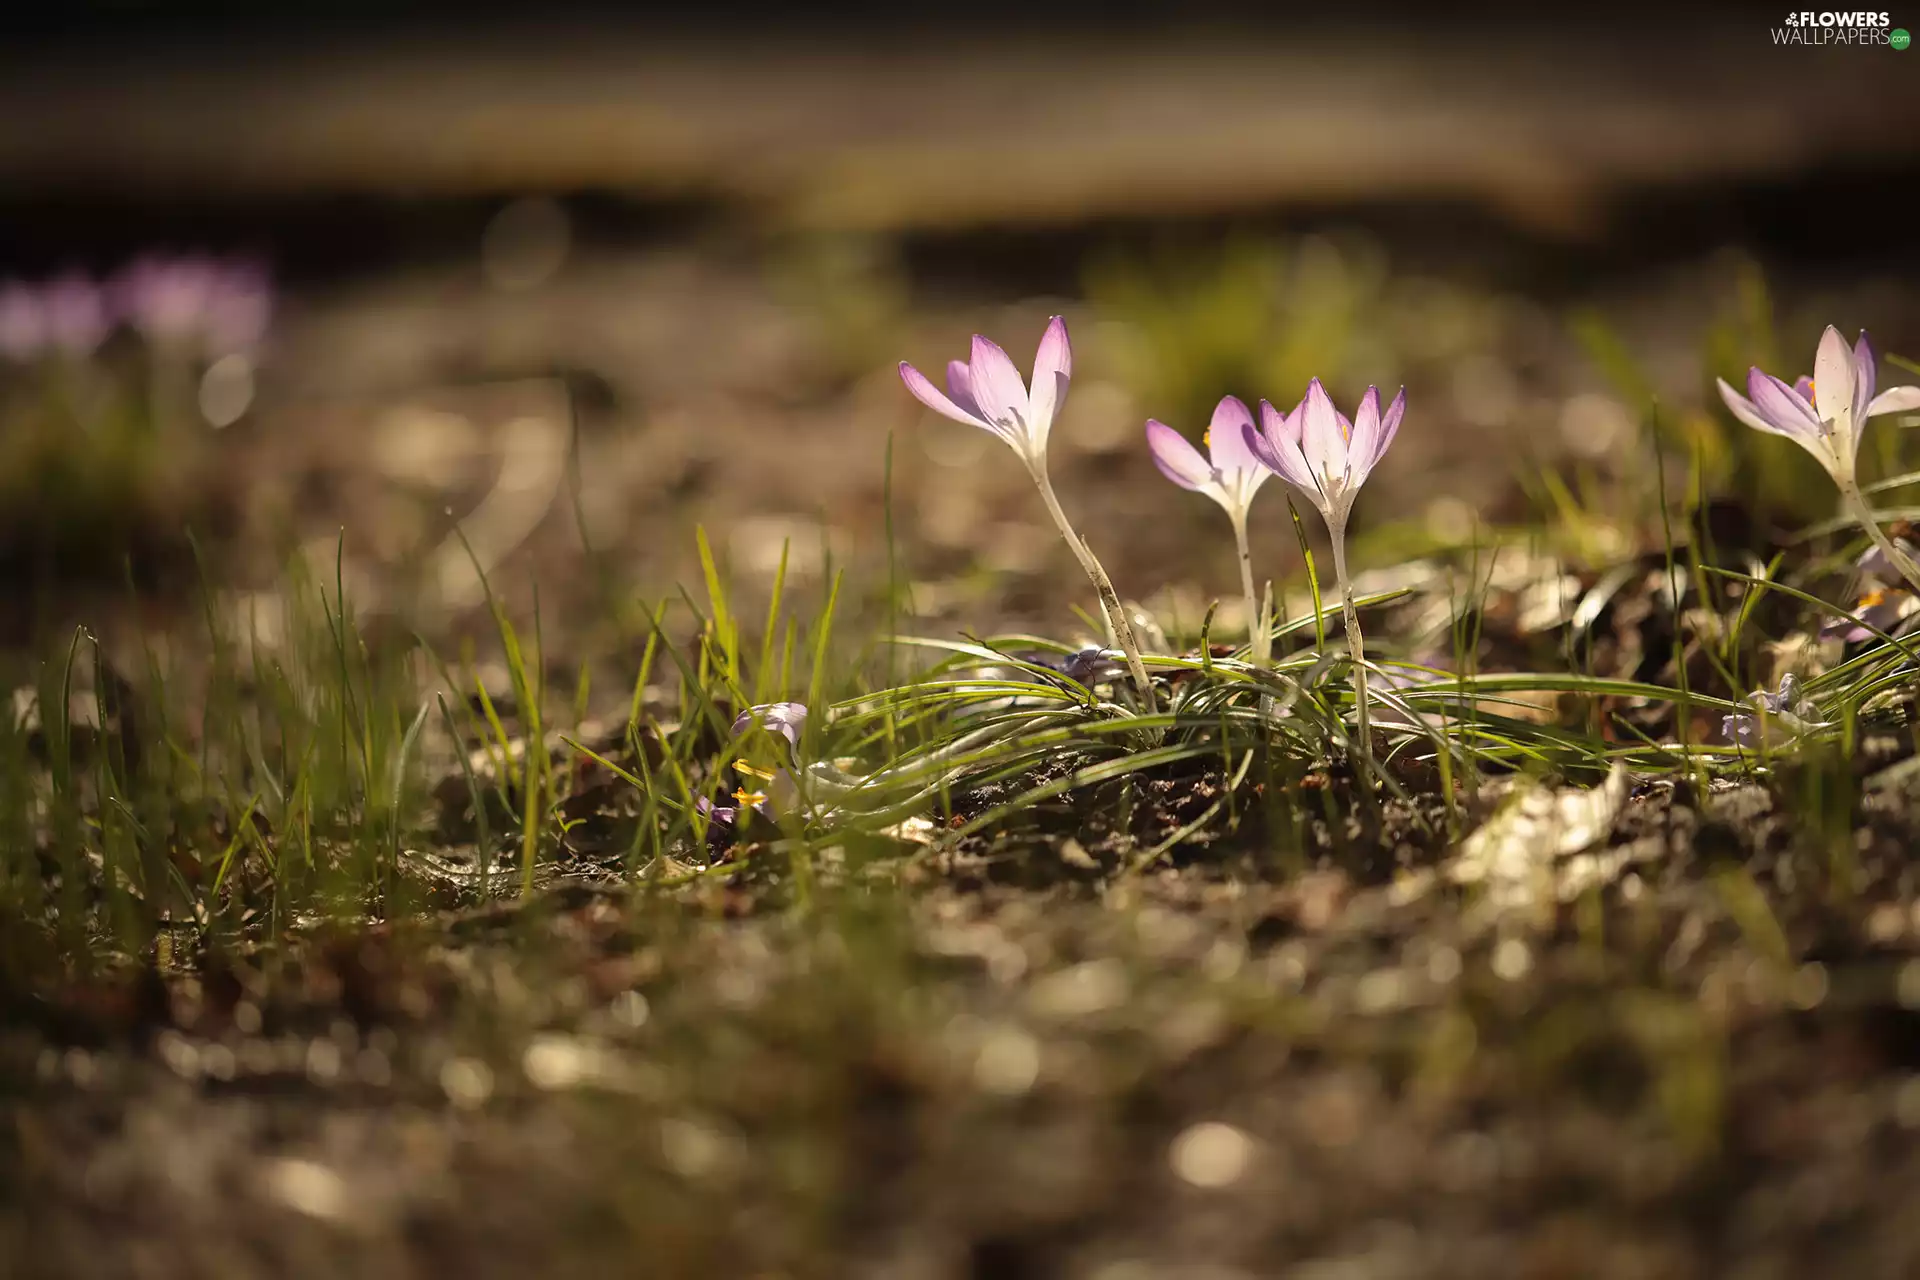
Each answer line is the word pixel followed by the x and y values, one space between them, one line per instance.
pixel 219 308
pixel 988 392
pixel 1776 717
pixel 1826 415
pixel 1230 474
pixel 1319 452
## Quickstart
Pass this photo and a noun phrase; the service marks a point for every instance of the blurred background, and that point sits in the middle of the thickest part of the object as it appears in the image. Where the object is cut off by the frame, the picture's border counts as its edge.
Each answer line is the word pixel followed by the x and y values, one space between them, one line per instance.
pixel 282 283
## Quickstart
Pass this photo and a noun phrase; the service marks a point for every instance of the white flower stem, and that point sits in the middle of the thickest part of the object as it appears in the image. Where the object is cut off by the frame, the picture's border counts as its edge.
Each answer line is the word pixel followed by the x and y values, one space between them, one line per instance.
pixel 1857 507
pixel 1120 630
pixel 1355 641
pixel 1260 635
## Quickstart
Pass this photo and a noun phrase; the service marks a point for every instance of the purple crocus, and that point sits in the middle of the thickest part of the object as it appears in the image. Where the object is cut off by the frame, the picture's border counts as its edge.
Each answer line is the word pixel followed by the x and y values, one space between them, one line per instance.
pixel 216 307
pixel 1230 474
pixel 1826 415
pixel 788 719
pixel 1776 717
pixel 74 311
pixel 1884 602
pixel 23 322
pixel 723 821
pixel 988 392
pixel 1086 667
pixel 1320 452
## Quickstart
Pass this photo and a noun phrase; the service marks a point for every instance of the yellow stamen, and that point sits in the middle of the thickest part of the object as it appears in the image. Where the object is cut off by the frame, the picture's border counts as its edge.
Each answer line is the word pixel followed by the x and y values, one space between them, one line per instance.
pixel 1206 437
pixel 743 767
pixel 1873 598
pixel 749 798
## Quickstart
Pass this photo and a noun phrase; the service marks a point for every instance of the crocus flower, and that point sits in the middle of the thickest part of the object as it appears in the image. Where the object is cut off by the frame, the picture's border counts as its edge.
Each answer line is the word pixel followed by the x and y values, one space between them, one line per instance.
pixel 988 392
pixel 1230 474
pixel 1881 610
pixel 788 719
pixel 723 821
pixel 1776 717
pixel 23 323
pixel 74 310
pixel 1088 667
pixel 1884 602
pixel 1826 415
pixel 1320 452
pixel 220 308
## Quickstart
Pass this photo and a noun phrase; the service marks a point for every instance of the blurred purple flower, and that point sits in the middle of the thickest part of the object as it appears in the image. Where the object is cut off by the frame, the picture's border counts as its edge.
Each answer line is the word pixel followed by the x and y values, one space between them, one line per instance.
pixel 23 322
pixel 1884 600
pixel 1882 609
pixel 1824 414
pixel 1320 452
pixel 1788 710
pixel 221 308
pixel 989 393
pixel 73 309
pixel 788 719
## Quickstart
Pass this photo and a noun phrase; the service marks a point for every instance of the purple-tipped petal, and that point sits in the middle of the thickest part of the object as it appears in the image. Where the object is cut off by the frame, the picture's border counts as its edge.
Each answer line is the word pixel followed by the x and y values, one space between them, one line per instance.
pixel 960 387
pixel 1774 400
pixel 1366 434
pixel 1227 441
pixel 1894 400
pixel 1258 445
pixel 1277 445
pixel 1832 378
pixel 1863 384
pixel 935 399
pixel 1052 371
pixel 1178 461
pixel 997 389
pixel 1803 387
pixel 1389 427
pixel 1745 410
pixel 1323 434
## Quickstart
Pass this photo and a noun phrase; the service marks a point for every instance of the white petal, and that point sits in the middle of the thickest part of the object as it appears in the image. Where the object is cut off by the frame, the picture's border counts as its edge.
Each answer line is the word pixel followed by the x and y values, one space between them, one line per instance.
pixel 1052 370
pixel 1895 400
pixel 1322 439
pixel 1833 379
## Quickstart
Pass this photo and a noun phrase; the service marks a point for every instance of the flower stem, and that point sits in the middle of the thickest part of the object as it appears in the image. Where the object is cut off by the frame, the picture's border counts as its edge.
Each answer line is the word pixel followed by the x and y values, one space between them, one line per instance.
pixel 1259 634
pixel 1355 641
pixel 1120 630
pixel 1857 508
